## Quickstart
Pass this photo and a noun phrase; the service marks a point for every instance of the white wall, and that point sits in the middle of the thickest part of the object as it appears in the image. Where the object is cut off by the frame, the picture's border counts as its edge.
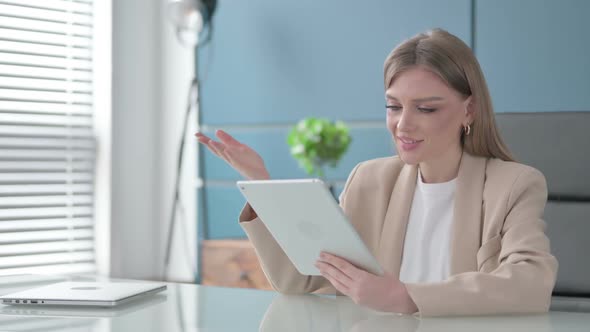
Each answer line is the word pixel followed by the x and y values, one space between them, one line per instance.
pixel 151 73
pixel 102 92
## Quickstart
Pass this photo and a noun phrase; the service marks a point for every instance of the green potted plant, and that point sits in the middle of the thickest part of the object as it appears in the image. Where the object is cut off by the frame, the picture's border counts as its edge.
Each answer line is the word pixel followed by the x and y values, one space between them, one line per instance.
pixel 317 142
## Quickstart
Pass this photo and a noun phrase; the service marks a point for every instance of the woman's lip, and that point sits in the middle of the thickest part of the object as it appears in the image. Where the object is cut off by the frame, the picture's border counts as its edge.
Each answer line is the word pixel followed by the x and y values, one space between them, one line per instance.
pixel 407 140
pixel 408 146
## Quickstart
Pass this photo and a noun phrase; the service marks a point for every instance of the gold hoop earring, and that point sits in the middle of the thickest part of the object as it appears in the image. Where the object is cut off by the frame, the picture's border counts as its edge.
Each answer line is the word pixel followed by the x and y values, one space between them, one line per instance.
pixel 467 130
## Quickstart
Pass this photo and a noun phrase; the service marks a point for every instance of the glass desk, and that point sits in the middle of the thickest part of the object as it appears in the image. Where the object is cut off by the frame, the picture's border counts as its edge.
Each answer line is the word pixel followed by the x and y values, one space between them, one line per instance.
pixel 185 307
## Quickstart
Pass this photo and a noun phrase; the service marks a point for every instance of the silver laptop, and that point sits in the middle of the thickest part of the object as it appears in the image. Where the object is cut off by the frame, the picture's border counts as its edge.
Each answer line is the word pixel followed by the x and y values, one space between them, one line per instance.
pixel 102 294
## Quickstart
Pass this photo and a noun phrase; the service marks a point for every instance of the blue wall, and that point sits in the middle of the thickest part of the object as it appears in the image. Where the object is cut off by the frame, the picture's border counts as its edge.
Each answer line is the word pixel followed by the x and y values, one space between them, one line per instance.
pixel 273 62
pixel 535 53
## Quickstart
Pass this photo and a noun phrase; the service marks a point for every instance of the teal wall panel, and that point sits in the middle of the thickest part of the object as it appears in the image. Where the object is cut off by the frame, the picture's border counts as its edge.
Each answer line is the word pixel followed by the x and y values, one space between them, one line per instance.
pixel 535 53
pixel 367 143
pixel 277 61
pixel 273 62
pixel 223 204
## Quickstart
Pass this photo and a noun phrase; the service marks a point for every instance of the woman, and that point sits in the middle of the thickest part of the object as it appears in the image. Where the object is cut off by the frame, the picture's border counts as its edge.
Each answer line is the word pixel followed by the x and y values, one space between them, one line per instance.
pixel 454 221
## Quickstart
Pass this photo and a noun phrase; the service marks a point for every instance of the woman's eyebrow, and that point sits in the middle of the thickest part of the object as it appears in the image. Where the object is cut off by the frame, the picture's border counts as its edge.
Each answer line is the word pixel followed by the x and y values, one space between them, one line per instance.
pixel 419 100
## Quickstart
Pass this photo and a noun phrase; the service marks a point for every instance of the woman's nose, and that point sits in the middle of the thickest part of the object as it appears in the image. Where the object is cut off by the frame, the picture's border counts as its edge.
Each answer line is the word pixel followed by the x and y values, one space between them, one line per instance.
pixel 405 121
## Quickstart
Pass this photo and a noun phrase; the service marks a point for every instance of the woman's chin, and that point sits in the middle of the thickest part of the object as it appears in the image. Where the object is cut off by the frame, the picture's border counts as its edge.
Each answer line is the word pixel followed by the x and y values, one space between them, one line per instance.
pixel 408 159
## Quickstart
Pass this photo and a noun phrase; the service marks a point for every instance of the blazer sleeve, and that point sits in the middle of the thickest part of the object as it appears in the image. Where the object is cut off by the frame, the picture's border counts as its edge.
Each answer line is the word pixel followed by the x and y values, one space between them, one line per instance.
pixel 523 280
pixel 280 272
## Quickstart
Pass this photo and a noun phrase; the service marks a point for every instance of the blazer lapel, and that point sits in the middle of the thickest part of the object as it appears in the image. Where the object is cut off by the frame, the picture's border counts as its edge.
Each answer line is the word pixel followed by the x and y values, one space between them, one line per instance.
pixel 467 228
pixel 391 244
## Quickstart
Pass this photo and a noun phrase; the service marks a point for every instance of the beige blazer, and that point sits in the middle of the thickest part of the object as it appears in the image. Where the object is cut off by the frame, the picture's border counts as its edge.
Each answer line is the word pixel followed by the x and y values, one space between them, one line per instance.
pixel 500 260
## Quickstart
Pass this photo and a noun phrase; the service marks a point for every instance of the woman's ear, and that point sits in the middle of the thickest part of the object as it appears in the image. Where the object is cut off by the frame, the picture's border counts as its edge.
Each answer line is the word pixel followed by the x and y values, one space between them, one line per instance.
pixel 469 106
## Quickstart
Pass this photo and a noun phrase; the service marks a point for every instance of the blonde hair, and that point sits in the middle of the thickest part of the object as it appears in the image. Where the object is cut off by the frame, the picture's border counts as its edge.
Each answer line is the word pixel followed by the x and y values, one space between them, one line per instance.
pixel 452 60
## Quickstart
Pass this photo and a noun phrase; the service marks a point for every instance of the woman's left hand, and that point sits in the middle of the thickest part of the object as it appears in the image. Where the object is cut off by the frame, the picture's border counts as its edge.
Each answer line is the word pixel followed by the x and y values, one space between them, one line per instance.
pixel 382 293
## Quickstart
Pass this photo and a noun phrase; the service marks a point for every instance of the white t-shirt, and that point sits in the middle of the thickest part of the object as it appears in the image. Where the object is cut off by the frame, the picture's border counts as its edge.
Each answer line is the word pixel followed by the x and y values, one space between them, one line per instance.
pixel 428 235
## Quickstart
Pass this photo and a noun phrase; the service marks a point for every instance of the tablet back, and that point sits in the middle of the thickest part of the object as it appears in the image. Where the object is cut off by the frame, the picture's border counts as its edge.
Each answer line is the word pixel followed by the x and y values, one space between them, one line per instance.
pixel 305 220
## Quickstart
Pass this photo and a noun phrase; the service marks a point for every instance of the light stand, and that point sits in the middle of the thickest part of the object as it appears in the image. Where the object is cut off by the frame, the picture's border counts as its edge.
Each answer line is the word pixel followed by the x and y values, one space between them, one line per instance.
pixel 192 96
pixel 189 17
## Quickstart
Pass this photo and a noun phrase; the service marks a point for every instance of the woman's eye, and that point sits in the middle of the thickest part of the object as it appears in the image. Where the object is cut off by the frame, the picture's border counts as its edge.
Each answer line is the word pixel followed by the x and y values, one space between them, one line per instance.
pixel 393 108
pixel 426 109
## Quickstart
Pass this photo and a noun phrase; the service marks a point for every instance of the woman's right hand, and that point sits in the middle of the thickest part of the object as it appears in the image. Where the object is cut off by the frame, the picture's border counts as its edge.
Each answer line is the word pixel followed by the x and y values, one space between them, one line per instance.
pixel 239 156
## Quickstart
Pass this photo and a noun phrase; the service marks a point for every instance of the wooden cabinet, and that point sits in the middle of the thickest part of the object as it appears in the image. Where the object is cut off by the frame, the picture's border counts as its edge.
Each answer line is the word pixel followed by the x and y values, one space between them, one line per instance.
pixel 231 263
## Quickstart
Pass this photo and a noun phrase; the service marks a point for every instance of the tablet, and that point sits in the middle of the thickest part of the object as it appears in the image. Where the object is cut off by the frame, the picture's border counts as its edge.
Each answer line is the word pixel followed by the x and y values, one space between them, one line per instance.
pixel 305 219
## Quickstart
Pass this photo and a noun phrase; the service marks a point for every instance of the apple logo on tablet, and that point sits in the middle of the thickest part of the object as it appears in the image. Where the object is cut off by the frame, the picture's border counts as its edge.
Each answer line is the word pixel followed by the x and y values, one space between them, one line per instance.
pixel 309 229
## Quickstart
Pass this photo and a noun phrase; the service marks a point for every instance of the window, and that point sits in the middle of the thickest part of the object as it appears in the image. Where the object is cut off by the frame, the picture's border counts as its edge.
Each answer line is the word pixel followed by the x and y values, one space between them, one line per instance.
pixel 47 146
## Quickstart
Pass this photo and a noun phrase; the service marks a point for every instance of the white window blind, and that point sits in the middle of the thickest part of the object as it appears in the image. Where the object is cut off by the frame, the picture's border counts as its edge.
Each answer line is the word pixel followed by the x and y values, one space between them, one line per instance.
pixel 47 148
